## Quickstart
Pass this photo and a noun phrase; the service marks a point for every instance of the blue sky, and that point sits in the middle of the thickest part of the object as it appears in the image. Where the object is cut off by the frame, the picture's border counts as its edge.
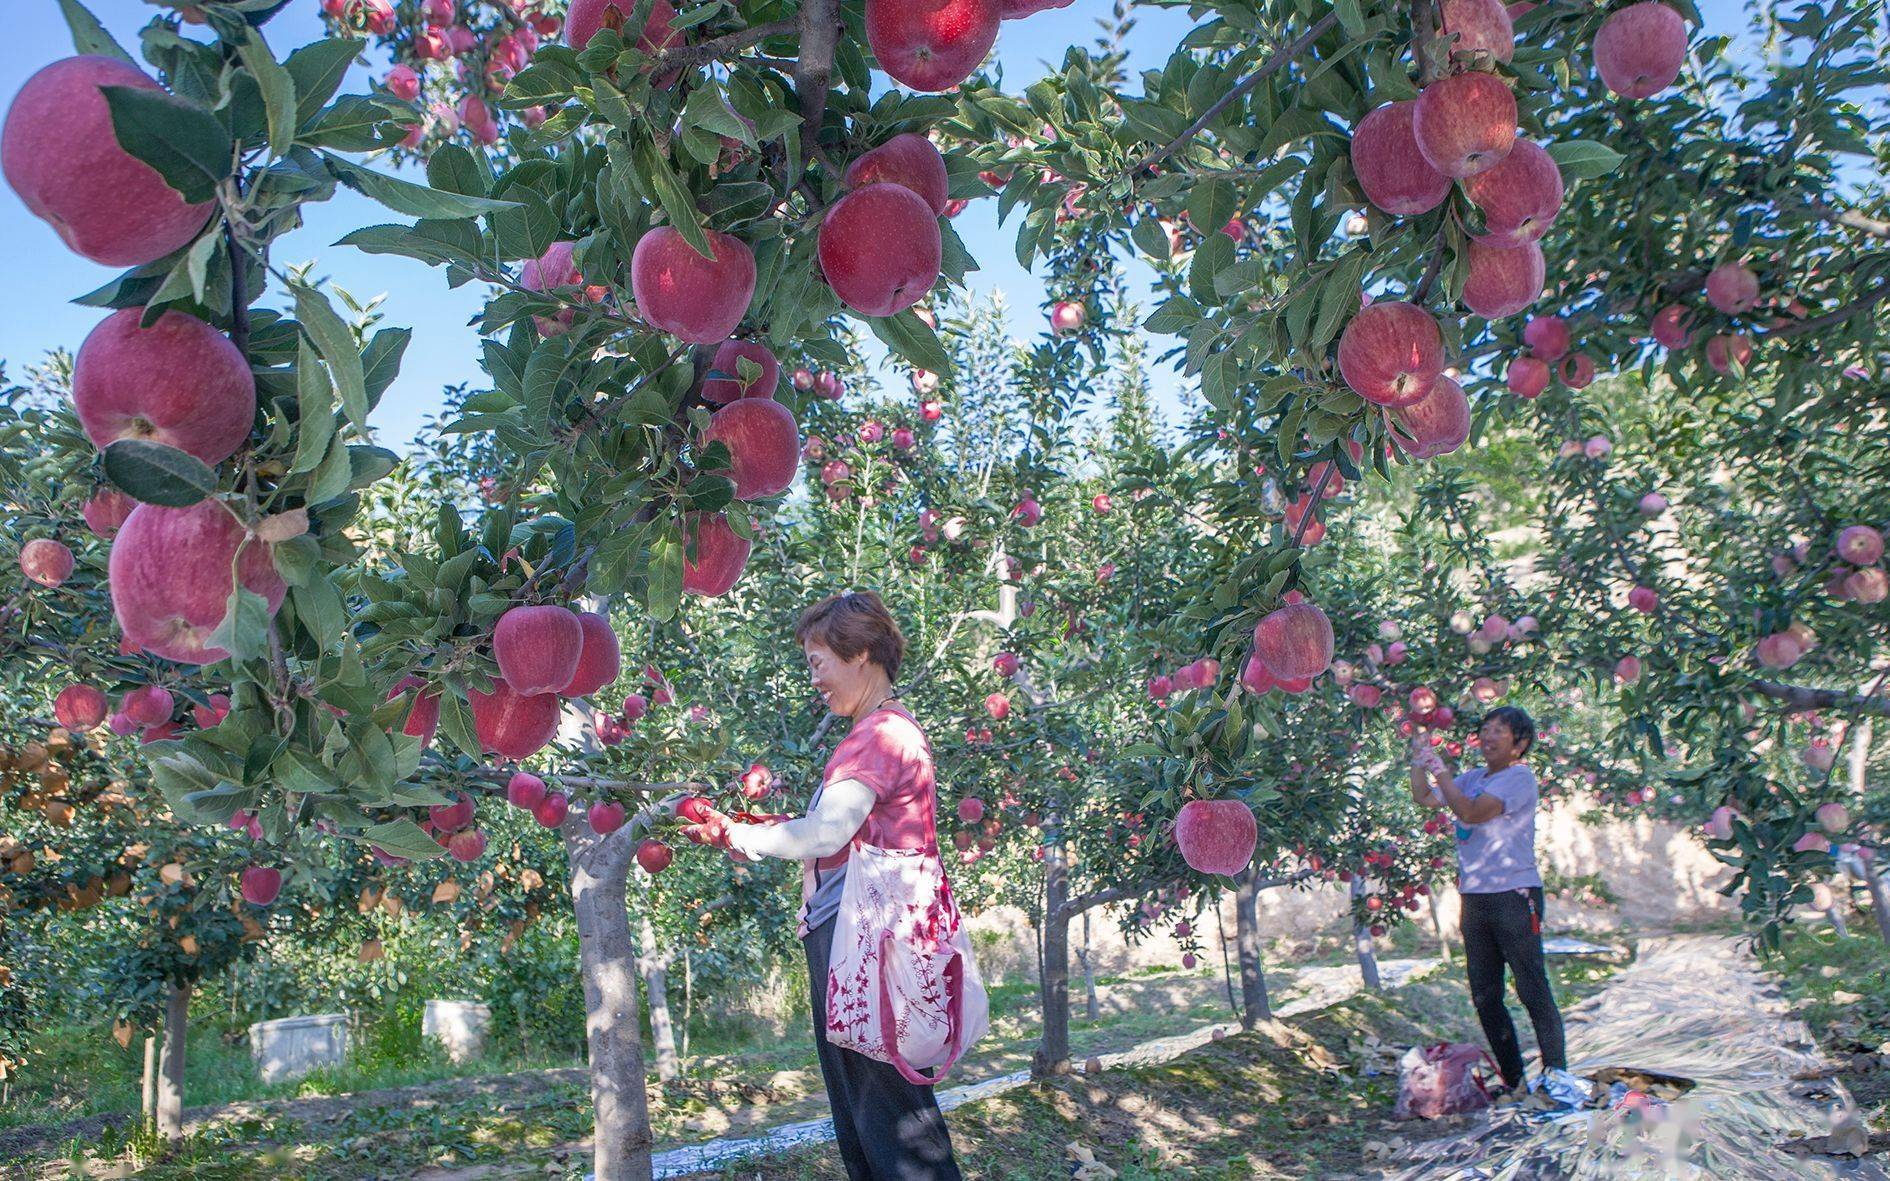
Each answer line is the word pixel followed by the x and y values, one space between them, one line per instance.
pixel 43 273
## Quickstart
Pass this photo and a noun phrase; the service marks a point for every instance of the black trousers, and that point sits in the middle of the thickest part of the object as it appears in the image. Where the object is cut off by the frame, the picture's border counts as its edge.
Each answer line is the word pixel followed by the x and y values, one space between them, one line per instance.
pixel 1497 931
pixel 887 1128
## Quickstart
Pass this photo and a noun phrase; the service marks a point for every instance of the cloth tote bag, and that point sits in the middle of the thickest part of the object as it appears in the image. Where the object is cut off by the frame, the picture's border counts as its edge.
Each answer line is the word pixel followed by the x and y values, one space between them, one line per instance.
pixel 902 986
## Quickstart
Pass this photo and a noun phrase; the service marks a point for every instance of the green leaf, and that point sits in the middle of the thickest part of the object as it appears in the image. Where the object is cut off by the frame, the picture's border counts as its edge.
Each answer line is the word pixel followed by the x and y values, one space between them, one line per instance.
pixel 404 838
pixel 913 339
pixel 1210 205
pixel 331 475
pixel 315 403
pixel 665 575
pixel 278 90
pixel 353 123
pixel 674 197
pixel 435 243
pixel 403 196
pixel 244 632
pixel 367 464
pixel 152 473
pixel 380 361
pixel 1585 161
pixel 335 343
pixel 188 278
pixel 456 723
pixel 184 142
pixel 88 36
pixel 317 70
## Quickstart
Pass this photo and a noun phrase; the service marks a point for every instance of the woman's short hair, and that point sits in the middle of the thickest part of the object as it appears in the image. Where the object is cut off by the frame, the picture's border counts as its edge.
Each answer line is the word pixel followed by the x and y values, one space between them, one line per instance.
pixel 853 622
pixel 1522 727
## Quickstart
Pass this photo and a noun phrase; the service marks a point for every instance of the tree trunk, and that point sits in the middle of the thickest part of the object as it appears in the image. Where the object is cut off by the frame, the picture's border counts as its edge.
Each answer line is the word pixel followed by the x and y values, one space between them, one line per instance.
pixel 600 870
pixel 1091 1009
pixel 655 967
pixel 1437 925
pixel 1879 898
pixel 149 1108
pixel 1053 979
pixel 1254 1005
pixel 170 1081
pixel 1362 941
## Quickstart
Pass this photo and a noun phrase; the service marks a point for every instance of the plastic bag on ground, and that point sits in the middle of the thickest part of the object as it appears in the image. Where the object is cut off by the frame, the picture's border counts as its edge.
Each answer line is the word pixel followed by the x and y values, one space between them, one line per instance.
pixel 1446 1079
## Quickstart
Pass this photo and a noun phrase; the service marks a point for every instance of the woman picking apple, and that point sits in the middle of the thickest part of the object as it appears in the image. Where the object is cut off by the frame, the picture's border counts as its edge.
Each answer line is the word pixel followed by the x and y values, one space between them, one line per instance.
pixel 1500 887
pixel 882 935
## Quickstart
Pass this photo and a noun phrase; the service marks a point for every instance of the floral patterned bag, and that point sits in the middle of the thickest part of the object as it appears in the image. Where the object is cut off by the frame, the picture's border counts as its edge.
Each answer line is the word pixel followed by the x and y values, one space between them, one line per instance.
pixel 902 986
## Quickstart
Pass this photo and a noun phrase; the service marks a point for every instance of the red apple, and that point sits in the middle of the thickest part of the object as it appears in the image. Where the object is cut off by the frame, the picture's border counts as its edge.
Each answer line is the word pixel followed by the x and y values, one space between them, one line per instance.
pixel 757 782
pixel 605 816
pixel 423 717
pixel 1465 123
pixel 998 706
pixel 1295 641
pixel 1394 174
pixel 466 845
pixel 728 360
pixel 170 577
pixel 931 44
pixel 1860 545
pixel 1004 664
pixel 909 160
pixel 106 511
pixel 1391 353
pixel 402 82
pixel 1577 370
pixel 512 725
pixel 654 856
pixel 1479 26
pixel 538 648
pixel 1639 49
pixel 599 659
pixel 453 816
pixel 524 790
pixel 1067 316
pixel 1519 197
pixel 1216 836
pixel 1732 288
pixel 1673 327
pixel 552 810
pixel 552 271
pixel 700 300
pixel 179 382
pixel 717 555
pixel 60 153
pixel 148 705
pixel 970 810
pixel 880 248
pixel 763 442
pixel 1436 424
pixel 1527 377
pixel 79 707
pixel 261 884
pixel 1726 350
pixel 1644 599
pixel 586 17
pixel 45 561
pixel 1501 281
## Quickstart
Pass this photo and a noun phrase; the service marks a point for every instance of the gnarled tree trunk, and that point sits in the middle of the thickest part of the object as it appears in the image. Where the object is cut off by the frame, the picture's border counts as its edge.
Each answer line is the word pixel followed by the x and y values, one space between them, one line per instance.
pixel 170 1080
pixel 1052 1055
pixel 1254 1005
pixel 600 870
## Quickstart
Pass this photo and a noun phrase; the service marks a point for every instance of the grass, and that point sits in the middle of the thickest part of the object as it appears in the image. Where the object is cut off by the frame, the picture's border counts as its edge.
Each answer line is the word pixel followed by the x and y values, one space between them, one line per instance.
pixel 1840 989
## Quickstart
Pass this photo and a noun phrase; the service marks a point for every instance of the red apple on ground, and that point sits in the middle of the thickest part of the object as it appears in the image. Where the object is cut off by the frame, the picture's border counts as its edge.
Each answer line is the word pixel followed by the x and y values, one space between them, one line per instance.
pixel 179 382
pixel 45 561
pixel 1465 123
pixel 1502 281
pixel 1294 641
pixel 1216 836
pixel 60 153
pixel 763 442
pixel 1437 423
pixel 599 658
pixel 728 360
pixel 538 648
pixel 170 577
pixel 511 725
pixel 1394 174
pixel 79 708
pixel 717 555
pixel 931 44
pixel 908 160
pixel 1639 49
pixel 1391 353
pixel 880 249
pixel 700 300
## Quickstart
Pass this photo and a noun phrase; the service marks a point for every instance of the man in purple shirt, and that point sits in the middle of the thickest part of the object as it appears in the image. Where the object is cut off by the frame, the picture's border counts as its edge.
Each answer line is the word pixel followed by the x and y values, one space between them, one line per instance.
pixel 1497 879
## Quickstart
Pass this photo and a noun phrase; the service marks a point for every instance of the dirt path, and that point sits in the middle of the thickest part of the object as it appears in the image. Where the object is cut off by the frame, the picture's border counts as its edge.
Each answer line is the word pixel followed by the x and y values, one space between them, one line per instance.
pixel 1310 988
pixel 1691 1005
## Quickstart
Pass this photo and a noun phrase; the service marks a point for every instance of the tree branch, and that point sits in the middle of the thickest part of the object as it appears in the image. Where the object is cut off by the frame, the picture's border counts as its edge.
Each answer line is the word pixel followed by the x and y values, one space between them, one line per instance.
pixel 1805 697
pixel 690 56
pixel 813 72
pixel 1240 89
pixel 1864 302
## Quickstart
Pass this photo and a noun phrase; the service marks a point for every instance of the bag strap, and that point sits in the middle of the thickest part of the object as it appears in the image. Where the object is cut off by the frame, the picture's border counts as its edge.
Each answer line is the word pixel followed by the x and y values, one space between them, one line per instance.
pixel 955 1012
